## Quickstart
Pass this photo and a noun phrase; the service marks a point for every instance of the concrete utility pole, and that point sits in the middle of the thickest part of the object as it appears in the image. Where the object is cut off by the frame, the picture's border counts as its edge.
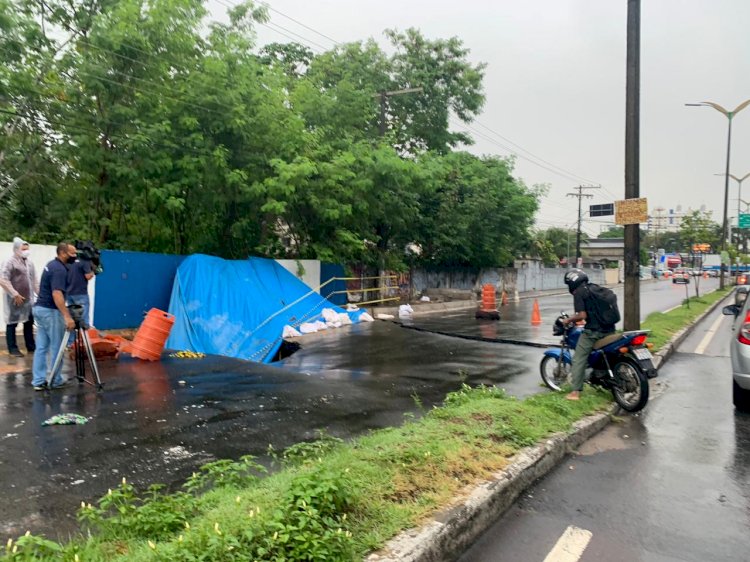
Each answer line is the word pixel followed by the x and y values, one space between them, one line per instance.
pixel 580 196
pixel 632 304
pixel 384 95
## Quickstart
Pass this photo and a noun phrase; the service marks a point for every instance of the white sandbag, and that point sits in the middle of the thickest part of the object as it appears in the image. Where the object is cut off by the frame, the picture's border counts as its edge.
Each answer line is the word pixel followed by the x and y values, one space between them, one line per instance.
pixel 333 324
pixel 344 318
pixel 425 299
pixel 364 317
pixel 329 315
pixel 308 328
pixel 382 316
pixel 405 310
pixel 320 325
pixel 289 332
pixel 352 307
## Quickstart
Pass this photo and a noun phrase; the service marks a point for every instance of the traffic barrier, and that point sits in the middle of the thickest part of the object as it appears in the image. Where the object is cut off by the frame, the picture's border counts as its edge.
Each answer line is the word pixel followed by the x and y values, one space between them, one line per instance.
pixel 149 341
pixel 536 316
pixel 489 301
pixel 504 300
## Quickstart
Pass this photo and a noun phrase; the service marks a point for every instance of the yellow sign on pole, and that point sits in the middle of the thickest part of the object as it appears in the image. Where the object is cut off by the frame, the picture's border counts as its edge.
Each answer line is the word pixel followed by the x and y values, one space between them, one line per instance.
pixel 631 211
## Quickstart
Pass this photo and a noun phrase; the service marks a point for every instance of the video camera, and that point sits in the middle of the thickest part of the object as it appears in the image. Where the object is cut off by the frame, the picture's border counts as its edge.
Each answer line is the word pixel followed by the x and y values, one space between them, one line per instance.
pixel 89 252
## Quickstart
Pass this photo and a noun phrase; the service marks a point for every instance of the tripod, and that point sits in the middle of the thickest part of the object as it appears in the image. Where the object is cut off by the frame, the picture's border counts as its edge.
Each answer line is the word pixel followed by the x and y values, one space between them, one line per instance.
pixel 82 343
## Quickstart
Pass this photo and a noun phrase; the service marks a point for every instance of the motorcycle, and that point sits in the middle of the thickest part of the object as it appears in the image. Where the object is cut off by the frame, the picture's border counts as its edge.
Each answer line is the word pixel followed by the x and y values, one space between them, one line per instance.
pixel 621 363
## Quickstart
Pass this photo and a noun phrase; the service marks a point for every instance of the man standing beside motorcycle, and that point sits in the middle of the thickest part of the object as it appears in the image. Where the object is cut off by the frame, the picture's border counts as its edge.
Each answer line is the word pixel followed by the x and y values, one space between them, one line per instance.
pixel 577 282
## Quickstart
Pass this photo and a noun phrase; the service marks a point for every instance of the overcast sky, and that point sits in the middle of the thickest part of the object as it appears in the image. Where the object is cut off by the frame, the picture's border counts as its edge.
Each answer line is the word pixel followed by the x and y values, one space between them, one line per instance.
pixel 555 86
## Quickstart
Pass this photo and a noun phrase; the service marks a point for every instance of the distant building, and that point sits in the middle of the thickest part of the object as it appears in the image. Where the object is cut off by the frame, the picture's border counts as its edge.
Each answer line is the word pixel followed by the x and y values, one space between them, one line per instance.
pixel 602 252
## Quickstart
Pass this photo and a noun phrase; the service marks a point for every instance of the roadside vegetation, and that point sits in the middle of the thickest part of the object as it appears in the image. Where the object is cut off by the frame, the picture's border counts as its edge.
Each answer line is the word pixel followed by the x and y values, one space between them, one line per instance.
pixel 328 500
pixel 664 325
pixel 152 126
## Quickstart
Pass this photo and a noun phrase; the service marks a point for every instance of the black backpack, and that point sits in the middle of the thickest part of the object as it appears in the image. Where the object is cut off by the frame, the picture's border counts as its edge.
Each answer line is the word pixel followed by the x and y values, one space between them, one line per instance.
pixel 603 303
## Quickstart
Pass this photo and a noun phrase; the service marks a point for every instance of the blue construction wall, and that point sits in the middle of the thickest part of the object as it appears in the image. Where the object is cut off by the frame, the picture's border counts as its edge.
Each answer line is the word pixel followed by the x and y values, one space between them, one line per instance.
pixel 132 284
pixel 328 271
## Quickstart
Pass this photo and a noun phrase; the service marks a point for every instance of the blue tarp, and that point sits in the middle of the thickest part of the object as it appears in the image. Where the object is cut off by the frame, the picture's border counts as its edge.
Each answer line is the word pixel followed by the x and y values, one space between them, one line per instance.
pixel 239 308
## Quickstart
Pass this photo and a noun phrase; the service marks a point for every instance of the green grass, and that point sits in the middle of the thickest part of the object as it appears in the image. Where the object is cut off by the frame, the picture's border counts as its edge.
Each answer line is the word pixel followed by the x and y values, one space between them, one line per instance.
pixel 338 502
pixel 665 325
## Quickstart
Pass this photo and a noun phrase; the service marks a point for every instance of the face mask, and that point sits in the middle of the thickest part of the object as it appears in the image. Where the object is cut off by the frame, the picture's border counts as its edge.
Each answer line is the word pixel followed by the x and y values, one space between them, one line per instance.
pixel 25 253
pixel 71 259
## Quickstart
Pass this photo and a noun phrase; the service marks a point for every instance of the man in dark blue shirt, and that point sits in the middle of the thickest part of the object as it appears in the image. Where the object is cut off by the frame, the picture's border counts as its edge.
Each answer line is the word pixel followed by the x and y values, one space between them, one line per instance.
pixel 51 316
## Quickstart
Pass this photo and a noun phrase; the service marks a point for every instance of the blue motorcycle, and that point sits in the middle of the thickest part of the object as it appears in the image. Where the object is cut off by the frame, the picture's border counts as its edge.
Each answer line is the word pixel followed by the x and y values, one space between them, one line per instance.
pixel 621 363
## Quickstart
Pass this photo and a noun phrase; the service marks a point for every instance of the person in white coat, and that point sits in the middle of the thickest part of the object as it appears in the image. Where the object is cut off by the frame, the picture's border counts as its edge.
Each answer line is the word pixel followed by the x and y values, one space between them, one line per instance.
pixel 20 284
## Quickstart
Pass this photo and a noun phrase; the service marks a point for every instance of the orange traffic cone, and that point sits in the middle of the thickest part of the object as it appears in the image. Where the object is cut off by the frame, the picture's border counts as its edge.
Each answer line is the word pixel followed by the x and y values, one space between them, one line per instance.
pixel 536 316
pixel 504 300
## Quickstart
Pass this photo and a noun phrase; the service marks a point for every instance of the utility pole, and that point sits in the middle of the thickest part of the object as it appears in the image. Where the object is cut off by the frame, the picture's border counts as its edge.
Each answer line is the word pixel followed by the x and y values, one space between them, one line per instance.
pixel 384 95
pixel 580 196
pixel 632 304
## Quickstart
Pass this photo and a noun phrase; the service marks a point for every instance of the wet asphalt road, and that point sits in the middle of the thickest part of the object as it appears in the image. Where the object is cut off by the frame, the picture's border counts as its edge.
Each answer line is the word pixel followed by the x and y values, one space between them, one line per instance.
pixel 149 427
pixel 670 484
pixel 656 296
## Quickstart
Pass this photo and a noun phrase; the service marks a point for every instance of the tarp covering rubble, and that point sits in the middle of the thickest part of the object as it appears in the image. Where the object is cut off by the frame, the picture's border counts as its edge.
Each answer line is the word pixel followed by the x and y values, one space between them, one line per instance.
pixel 244 308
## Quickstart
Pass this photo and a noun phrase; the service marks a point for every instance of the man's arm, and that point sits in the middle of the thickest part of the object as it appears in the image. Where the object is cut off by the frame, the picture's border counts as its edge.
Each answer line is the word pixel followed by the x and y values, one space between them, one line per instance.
pixel 59 299
pixel 577 317
pixel 5 279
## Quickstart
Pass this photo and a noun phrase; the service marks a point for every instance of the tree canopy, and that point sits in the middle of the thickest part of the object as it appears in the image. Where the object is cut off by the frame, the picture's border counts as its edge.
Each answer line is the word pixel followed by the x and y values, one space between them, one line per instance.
pixel 147 126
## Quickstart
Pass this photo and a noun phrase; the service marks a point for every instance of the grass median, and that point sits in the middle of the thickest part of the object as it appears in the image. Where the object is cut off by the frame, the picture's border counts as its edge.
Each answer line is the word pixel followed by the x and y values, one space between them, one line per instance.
pixel 664 325
pixel 327 500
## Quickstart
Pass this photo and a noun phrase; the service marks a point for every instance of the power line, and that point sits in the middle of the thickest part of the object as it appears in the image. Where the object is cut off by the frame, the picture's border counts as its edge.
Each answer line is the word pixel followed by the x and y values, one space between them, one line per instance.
pixel 300 23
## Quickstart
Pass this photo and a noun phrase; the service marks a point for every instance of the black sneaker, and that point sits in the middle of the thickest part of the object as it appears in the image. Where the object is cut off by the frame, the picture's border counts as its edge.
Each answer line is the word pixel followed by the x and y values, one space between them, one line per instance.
pixel 42 386
pixel 63 384
pixel 15 353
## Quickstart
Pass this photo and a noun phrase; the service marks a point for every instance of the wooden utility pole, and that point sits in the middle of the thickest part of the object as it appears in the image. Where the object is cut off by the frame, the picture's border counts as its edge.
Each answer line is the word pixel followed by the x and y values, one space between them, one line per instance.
pixel 580 196
pixel 632 304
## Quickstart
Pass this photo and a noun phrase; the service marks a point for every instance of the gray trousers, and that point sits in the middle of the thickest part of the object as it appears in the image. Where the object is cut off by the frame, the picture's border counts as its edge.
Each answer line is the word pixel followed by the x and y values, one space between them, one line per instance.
pixel 581 356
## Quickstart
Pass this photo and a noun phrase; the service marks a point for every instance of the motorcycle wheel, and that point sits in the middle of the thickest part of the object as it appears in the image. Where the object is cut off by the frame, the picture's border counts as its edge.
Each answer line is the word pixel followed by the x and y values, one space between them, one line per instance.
pixel 555 372
pixel 630 387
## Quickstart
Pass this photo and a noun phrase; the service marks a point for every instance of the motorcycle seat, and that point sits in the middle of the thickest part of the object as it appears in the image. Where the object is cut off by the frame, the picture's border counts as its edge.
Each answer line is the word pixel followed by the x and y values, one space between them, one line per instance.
pixel 606 340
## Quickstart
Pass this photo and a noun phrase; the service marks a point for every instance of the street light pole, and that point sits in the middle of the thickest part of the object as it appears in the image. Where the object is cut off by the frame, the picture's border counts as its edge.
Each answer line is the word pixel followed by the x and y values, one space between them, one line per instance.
pixel 729 115
pixel 739 198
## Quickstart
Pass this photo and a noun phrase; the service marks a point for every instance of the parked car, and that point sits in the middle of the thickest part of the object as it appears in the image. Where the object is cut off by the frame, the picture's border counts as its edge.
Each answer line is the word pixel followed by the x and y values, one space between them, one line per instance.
pixel 713 273
pixel 739 349
pixel 680 276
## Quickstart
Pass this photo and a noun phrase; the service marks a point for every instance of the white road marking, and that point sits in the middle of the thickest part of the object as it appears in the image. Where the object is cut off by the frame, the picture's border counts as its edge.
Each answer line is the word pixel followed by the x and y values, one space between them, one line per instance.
pixel 701 349
pixel 570 545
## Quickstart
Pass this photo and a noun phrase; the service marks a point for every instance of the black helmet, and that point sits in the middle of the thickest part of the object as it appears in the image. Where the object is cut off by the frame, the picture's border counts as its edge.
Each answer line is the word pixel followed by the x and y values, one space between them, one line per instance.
pixel 574 279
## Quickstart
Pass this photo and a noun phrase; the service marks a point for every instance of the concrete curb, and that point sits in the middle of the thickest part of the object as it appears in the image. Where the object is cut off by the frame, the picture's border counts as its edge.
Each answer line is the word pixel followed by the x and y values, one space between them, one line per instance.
pixel 452 530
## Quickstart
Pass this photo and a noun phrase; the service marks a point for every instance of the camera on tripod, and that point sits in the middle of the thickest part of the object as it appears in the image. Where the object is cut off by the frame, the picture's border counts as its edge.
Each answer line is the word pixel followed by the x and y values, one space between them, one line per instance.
pixel 76 313
pixel 89 252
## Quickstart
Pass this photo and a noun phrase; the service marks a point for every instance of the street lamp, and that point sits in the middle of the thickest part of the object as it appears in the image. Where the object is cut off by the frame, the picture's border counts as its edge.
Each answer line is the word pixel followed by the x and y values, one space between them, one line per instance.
pixel 729 115
pixel 739 198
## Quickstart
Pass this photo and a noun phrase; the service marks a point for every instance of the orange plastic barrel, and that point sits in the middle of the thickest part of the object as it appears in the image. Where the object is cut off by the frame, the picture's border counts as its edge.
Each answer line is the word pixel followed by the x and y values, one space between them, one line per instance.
pixel 489 301
pixel 150 338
